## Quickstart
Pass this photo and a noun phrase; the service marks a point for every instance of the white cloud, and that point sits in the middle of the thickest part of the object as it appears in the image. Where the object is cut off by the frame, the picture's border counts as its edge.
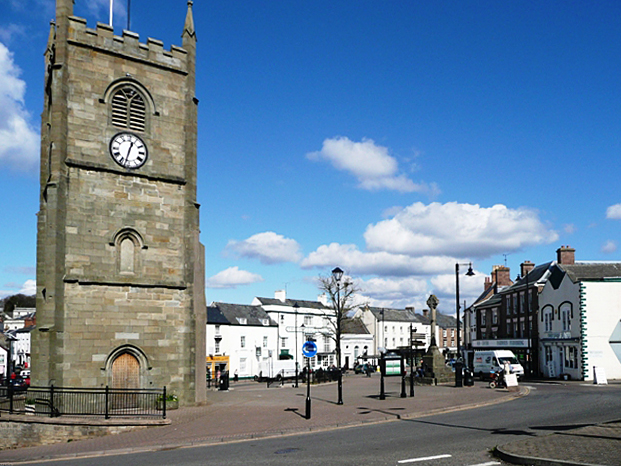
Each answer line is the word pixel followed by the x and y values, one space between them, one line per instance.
pixel 10 31
pixel 102 7
pixel 609 247
pixel 462 230
pixel 232 278
pixel 614 212
pixel 398 289
pixel 19 141
pixel 349 257
pixel 371 164
pixel 470 287
pixel 268 247
pixel 569 228
pixel 29 288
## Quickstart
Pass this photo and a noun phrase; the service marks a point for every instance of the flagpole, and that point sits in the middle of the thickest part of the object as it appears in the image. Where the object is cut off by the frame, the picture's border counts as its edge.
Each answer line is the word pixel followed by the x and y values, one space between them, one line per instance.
pixel 111 2
pixel 129 5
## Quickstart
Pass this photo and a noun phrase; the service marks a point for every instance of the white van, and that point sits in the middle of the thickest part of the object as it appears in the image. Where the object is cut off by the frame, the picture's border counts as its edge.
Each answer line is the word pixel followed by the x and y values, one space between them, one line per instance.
pixel 493 360
pixel 278 369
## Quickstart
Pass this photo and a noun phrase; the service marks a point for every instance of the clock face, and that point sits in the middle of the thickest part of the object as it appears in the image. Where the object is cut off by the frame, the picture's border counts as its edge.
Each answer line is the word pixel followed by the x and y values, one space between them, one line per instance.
pixel 128 150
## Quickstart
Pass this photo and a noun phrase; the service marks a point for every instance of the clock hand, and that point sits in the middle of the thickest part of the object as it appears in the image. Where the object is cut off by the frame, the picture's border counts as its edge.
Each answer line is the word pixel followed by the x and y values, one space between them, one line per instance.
pixel 129 151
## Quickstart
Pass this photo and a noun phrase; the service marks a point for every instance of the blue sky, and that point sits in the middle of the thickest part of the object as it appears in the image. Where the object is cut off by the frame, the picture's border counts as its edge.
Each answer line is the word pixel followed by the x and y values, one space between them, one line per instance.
pixel 390 138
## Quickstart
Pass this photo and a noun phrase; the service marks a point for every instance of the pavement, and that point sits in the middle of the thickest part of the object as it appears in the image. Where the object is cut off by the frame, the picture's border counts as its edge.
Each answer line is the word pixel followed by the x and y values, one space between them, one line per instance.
pixel 250 411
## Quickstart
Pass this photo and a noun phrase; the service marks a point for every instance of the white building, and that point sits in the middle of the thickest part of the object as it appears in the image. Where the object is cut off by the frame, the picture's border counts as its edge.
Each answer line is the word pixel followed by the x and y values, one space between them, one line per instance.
pixel 239 338
pixel 357 343
pixel 391 327
pixel 298 321
pixel 580 320
pixel 20 325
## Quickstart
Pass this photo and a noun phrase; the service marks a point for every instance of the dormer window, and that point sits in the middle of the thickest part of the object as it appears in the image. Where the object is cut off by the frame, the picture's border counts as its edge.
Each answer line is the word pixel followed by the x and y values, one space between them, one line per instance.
pixel 265 322
pixel 242 320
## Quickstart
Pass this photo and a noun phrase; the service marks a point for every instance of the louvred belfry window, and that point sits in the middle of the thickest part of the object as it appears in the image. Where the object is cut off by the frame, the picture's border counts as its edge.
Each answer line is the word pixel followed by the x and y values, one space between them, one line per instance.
pixel 128 109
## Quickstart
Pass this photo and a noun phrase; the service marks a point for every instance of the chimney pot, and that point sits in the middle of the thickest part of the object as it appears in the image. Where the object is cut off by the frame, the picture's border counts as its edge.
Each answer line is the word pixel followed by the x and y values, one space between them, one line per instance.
pixel 502 276
pixel 566 255
pixel 526 267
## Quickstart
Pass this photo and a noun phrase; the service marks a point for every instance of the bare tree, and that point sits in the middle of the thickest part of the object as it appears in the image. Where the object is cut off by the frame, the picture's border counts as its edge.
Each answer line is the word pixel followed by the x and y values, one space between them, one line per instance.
pixel 340 292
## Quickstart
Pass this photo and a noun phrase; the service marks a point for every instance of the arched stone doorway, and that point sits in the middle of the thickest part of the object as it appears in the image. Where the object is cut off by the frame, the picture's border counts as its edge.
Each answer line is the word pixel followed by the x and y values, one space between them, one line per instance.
pixel 126 371
pixel 126 368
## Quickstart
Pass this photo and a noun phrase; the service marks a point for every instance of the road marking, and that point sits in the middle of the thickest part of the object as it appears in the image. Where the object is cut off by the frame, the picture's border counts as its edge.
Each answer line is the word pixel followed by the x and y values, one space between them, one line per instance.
pixel 427 458
pixel 491 463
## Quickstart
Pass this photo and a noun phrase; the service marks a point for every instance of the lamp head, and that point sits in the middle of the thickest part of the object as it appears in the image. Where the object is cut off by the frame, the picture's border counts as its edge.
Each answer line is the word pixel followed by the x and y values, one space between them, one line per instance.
pixel 470 272
pixel 337 273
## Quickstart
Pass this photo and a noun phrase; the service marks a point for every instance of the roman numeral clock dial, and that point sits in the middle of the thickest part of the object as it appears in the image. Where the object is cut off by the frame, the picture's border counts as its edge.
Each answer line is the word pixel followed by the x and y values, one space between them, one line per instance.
pixel 128 150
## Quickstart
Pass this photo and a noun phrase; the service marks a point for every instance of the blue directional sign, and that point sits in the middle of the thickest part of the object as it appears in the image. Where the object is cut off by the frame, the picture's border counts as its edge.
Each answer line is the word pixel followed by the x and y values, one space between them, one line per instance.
pixel 309 349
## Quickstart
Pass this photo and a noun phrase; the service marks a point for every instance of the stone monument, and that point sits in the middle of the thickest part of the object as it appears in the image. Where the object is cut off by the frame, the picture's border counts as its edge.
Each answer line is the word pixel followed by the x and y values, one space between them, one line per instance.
pixel 435 369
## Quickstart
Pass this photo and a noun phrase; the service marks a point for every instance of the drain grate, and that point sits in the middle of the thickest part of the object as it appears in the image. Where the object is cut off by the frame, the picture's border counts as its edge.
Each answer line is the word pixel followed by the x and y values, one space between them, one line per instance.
pixel 284 451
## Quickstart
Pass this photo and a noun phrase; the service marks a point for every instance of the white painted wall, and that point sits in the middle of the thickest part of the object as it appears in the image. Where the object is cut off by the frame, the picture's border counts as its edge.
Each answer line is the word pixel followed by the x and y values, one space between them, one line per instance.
pixel 309 322
pixel 355 345
pixel 245 360
pixel 603 304
pixel 602 316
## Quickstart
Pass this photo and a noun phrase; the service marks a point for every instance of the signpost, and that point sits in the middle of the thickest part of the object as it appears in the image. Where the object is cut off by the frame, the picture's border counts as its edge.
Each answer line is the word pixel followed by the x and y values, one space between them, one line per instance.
pixel 309 349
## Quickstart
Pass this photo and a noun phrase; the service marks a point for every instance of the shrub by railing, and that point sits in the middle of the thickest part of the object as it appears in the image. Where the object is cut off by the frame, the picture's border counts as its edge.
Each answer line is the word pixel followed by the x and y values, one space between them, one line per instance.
pixel 107 402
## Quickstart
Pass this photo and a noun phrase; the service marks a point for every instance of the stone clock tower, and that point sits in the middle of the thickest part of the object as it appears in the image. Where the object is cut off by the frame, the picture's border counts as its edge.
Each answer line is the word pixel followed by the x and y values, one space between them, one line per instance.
pixel 120 269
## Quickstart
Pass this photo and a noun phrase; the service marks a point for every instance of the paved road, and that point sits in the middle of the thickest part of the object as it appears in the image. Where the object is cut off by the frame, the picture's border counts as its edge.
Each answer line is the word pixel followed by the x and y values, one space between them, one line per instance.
pixel 456 438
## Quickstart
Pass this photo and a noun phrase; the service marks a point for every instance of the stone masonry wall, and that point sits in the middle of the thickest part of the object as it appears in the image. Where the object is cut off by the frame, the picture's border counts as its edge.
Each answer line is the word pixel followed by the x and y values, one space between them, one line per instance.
pixel 31 434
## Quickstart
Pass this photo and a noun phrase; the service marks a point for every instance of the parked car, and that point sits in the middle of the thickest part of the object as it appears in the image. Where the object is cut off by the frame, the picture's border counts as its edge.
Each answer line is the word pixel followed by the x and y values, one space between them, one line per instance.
pixel 20 384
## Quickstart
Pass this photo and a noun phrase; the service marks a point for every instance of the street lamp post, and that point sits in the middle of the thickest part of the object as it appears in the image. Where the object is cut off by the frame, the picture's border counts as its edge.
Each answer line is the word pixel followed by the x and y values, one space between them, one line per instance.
pixel 308 381
pixel 528 324
pixel 382 350
pixel 296 307
pixel 412 363
pixel 470 273
pixel 337 273
pixel 529 352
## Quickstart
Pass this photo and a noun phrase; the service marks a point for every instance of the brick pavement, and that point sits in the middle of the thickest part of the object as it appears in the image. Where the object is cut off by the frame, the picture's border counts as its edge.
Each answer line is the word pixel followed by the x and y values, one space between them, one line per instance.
pixel 251 410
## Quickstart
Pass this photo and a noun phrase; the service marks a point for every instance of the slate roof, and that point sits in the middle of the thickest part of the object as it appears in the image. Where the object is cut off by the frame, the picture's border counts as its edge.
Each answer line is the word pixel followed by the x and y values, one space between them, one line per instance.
pixel 485 297
pixel 532 277
pixel 588 271
pixel 225 313
pixel 395 315
pixel 291 302
pixel 442 320
pixel 494 300
pixel 354 326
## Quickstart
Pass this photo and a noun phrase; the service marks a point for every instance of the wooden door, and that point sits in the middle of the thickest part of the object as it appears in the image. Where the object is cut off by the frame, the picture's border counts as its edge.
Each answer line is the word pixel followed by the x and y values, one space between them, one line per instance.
pixel 125 375
pixel 126 372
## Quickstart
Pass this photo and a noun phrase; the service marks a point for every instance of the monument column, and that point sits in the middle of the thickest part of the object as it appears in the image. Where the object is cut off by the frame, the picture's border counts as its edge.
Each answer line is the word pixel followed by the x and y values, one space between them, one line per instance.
pixel 435 368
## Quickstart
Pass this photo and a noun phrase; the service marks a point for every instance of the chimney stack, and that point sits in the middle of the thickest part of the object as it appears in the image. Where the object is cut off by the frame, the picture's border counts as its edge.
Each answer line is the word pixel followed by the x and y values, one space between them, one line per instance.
pixel 281 295
pixel 487 284
pixel 526 267
pixel 566 255
pixel 502 275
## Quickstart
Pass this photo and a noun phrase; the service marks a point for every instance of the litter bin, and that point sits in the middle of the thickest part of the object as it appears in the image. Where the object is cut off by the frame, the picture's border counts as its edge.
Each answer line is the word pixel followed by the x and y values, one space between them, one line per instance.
pixel 468 378
pixel 224 381
pixel 459 373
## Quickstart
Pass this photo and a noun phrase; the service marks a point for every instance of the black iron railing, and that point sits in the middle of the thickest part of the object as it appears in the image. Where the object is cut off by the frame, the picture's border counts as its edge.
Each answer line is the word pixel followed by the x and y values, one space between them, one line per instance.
pixel 105 402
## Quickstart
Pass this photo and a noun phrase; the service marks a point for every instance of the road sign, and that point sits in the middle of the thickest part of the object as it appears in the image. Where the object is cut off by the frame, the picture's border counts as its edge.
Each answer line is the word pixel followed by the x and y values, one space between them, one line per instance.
pixel 309 349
